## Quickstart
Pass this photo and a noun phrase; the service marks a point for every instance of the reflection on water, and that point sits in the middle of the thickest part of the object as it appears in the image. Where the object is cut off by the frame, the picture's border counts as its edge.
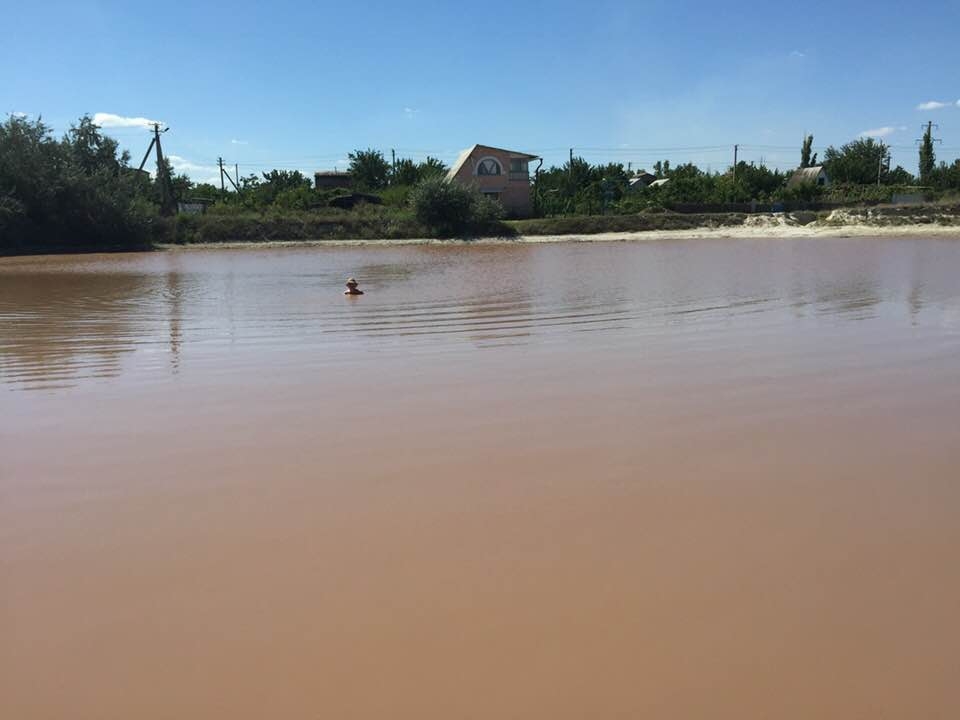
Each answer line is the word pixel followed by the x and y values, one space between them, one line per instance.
pixel 57 328
pixel 63 320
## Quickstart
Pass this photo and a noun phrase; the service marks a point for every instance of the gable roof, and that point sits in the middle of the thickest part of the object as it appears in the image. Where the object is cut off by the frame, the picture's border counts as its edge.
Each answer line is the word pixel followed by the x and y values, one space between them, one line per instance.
pixel 805 175
pixel 466 154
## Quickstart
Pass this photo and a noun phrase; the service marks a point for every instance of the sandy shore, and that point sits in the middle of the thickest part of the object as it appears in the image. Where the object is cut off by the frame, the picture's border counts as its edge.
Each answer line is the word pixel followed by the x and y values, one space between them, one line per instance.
pixel 761 228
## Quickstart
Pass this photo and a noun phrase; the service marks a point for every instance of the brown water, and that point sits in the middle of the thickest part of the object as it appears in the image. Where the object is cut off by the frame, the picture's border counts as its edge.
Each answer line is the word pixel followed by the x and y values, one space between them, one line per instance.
pixel 686 479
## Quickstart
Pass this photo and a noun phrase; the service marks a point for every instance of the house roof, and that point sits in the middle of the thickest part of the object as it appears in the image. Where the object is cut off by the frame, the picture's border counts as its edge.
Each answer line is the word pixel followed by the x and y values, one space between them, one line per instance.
pixel 642 177
pixel 332 173
pixel 465 155
pixel 805 175
pixel 660 182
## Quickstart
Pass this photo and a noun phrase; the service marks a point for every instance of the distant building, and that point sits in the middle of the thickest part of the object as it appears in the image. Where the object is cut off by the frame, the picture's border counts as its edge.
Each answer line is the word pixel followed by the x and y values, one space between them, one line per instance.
pixel 193 206
pixel 641 179
pixel 909 198
pixel 501 174
pixel 815 175
pixel 332 179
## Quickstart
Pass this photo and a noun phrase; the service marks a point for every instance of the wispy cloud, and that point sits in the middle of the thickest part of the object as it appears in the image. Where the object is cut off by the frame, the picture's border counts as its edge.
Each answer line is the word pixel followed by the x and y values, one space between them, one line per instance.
pixel 239 142
pixel 881 132
pixel 409 112
pixel 196 171
pixel 797 54
pixel 109 120
pixel 17 114
pixel 934 105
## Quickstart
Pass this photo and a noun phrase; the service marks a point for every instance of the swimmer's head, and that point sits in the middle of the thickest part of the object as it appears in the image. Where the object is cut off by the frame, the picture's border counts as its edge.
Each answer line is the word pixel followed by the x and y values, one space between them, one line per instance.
pixel 351 283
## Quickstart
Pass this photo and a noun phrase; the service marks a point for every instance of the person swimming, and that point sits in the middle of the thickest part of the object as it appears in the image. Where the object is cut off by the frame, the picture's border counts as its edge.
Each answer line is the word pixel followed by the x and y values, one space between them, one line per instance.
pixel 352 288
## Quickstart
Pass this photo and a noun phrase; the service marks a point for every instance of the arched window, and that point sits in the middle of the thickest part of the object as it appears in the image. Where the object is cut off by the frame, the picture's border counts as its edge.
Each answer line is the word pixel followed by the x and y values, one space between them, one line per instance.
pixel 489 166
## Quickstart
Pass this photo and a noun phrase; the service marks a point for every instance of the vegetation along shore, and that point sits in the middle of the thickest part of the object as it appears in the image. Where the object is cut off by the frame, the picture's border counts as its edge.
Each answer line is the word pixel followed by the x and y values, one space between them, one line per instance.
pixel 79 193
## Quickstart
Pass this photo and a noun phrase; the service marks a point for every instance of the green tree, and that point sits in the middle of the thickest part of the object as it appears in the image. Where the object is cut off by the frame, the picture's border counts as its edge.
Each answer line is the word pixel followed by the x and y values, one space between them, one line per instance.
pixel 271 185
pixel 205 190
pixel 927 157
pixel 431 167
pixel 806 160
pixel 899 176
pixel 74 194
pixel 757 182
pixel 405 172
pixel 370 170
pixel 858 162
pixel 92 151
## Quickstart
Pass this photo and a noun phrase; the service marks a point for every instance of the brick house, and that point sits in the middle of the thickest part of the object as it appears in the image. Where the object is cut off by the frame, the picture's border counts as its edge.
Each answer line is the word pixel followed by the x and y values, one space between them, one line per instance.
pixel 502 174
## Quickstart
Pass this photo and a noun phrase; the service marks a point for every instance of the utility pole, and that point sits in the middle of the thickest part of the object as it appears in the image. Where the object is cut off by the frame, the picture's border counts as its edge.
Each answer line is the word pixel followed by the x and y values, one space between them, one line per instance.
pixel 736 149
pixel 236 175
pixel 393 160
pixel 166 192
pixel 881 168
pixel 226 174
pixel 570 164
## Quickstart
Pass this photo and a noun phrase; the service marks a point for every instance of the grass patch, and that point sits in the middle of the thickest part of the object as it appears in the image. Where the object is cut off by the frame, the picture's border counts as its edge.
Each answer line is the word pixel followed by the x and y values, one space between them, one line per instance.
pixel 594 224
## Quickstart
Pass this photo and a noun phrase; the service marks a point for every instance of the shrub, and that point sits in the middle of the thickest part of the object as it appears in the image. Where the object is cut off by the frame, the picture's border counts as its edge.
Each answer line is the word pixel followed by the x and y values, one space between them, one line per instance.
pixel 396 195
pixel 447 208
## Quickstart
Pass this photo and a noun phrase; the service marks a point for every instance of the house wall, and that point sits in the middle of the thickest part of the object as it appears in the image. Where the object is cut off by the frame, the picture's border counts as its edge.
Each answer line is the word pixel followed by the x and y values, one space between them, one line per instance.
pixel 514 191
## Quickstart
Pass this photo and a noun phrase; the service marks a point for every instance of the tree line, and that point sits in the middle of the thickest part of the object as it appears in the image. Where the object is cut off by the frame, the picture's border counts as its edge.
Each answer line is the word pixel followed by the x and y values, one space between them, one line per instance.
pixel 858 171
pixel 79 191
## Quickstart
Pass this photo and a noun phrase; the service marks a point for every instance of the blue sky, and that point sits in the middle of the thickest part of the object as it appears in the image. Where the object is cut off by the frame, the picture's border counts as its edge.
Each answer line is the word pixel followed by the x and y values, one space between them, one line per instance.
pixel 300 84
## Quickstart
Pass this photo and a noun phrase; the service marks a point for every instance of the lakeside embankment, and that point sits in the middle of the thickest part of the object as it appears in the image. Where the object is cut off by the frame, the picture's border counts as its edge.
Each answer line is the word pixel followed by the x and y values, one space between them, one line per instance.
pixel 874 221
pixel 376 227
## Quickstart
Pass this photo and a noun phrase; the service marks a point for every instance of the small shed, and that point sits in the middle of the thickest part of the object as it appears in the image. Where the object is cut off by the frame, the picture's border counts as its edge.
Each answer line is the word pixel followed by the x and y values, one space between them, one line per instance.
pixel 814 175
pixel 332 179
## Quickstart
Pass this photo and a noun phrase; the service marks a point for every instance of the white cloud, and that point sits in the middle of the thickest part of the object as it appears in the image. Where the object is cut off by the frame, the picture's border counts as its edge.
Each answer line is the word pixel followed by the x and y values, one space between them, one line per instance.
pixel 196 171
pixel 109 120
pixel 20 114
pixel 239 142
pixel 797 54
pixel 410 112
pixel 934 105
pixel 879 132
